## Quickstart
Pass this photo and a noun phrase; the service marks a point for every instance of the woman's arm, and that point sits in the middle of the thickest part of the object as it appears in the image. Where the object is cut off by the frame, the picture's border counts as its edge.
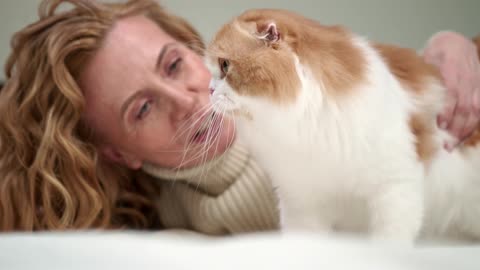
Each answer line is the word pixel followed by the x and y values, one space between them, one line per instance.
pixel 457 58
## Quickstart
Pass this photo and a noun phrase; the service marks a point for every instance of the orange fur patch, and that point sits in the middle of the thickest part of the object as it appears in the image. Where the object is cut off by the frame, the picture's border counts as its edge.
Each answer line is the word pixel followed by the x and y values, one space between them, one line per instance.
pixel 327 50
pixel 409 68
pixel 415 75
pixel 423 129
pixel 260 69
pixel 473 140
pixel 255 70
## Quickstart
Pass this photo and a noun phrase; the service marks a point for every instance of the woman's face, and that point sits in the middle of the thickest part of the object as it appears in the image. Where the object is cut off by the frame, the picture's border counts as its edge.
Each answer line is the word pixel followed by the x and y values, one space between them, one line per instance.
pixel 147 96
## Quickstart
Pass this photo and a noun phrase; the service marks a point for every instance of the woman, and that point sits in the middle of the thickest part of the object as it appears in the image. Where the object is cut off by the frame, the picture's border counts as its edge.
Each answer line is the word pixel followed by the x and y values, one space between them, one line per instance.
pixel 101 93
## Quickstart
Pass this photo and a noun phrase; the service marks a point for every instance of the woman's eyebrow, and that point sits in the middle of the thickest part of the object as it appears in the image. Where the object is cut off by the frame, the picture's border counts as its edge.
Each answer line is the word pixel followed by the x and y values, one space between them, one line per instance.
pixel 162 54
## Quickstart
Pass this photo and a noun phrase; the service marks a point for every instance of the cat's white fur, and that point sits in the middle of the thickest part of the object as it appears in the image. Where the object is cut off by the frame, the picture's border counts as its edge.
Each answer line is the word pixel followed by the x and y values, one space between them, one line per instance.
pixel 350 163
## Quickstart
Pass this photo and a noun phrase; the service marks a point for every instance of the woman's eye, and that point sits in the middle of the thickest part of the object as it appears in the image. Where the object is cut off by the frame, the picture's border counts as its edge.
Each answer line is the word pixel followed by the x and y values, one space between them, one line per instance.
pixel 224 65
pixel 143 110
pixel 174 66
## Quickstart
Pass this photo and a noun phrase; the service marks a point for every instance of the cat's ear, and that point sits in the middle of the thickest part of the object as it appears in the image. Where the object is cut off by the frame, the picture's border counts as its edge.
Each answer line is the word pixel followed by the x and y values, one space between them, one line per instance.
pixel 270 33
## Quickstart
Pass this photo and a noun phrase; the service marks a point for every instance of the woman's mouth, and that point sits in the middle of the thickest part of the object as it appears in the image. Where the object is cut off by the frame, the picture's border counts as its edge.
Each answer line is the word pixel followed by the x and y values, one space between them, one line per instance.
pixel 208 130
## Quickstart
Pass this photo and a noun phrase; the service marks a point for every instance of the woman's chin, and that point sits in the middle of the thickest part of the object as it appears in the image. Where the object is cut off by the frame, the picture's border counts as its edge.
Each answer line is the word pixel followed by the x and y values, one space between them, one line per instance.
pixel 224 140
pixel 227 140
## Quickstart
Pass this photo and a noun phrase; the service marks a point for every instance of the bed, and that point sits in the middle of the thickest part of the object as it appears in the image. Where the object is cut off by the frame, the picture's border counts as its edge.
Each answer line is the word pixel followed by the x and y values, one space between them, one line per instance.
pixel 187 250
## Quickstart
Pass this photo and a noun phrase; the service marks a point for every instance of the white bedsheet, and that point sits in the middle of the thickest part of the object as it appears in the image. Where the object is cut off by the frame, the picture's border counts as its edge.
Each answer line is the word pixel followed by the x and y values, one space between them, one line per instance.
pixel 173 250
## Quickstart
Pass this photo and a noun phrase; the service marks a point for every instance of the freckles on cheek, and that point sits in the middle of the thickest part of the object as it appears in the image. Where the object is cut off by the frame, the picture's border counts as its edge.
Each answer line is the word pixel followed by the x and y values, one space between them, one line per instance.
pixel 168 134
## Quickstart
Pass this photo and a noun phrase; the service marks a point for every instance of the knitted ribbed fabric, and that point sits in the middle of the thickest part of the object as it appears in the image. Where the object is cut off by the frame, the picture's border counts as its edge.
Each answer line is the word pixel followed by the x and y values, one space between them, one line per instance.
pixel 230 194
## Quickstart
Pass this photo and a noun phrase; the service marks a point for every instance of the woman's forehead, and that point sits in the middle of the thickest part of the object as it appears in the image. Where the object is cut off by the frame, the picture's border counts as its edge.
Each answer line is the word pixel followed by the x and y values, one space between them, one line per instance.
pixel 136 31
pixel 130 50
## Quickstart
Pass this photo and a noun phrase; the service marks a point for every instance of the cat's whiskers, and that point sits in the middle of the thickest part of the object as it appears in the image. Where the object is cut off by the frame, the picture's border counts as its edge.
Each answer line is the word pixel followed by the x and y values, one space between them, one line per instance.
pixel 220 116
pixel 188 148
pixel 203 111
pixel 212 137
pixel 208 127
pixel 203 148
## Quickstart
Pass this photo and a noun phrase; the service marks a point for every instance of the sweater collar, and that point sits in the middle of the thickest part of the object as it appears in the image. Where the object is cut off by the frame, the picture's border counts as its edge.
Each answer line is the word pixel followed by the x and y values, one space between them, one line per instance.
pixel 212 177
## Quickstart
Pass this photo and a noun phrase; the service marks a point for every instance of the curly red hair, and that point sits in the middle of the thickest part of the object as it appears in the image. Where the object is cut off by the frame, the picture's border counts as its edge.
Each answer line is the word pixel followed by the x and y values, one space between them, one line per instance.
pixel 50 175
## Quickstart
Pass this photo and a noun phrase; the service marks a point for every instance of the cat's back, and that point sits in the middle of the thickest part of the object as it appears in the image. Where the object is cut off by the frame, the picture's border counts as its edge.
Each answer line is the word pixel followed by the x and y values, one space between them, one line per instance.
pixel 452 182
pixel 452 192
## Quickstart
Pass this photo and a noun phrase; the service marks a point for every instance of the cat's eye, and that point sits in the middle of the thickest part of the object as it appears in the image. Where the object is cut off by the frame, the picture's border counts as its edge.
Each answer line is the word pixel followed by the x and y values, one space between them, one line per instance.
pixel 224 66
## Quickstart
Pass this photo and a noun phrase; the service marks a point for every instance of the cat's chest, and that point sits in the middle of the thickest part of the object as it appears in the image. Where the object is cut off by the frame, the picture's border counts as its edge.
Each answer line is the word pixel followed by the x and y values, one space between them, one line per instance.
pixel 283 143
pixel 280 133
pixel 308 144
pixel 287 125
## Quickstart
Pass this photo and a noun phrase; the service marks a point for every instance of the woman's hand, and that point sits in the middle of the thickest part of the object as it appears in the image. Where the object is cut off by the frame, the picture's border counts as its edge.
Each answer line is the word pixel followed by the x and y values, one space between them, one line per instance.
pixel 457 59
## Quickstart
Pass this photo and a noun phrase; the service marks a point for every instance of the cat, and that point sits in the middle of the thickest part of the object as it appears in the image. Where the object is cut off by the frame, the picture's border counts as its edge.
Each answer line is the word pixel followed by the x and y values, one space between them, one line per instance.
pixel 345 128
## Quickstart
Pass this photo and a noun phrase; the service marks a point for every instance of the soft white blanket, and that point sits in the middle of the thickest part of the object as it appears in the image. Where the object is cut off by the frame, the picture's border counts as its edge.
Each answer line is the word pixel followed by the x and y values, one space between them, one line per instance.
pixel 174 250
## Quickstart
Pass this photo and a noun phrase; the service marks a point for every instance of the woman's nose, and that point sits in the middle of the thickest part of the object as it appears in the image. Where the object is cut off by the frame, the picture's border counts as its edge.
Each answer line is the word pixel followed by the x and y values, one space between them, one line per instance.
pixel 184 104
pixel 184 101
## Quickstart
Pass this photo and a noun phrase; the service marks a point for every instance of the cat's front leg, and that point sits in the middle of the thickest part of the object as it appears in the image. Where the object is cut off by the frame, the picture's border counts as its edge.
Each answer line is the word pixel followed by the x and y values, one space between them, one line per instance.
pixel 397 212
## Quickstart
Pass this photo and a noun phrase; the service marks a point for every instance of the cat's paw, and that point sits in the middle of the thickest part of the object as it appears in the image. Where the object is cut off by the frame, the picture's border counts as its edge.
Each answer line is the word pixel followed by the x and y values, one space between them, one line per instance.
pixel 397 215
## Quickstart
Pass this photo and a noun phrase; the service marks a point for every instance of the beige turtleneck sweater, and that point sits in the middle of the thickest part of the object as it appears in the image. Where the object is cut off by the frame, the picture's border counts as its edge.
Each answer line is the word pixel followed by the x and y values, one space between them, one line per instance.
pixel 228 195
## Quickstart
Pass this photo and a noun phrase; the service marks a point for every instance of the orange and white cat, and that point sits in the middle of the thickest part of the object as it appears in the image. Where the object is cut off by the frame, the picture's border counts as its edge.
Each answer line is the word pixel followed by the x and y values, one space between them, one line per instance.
pixel 345 128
